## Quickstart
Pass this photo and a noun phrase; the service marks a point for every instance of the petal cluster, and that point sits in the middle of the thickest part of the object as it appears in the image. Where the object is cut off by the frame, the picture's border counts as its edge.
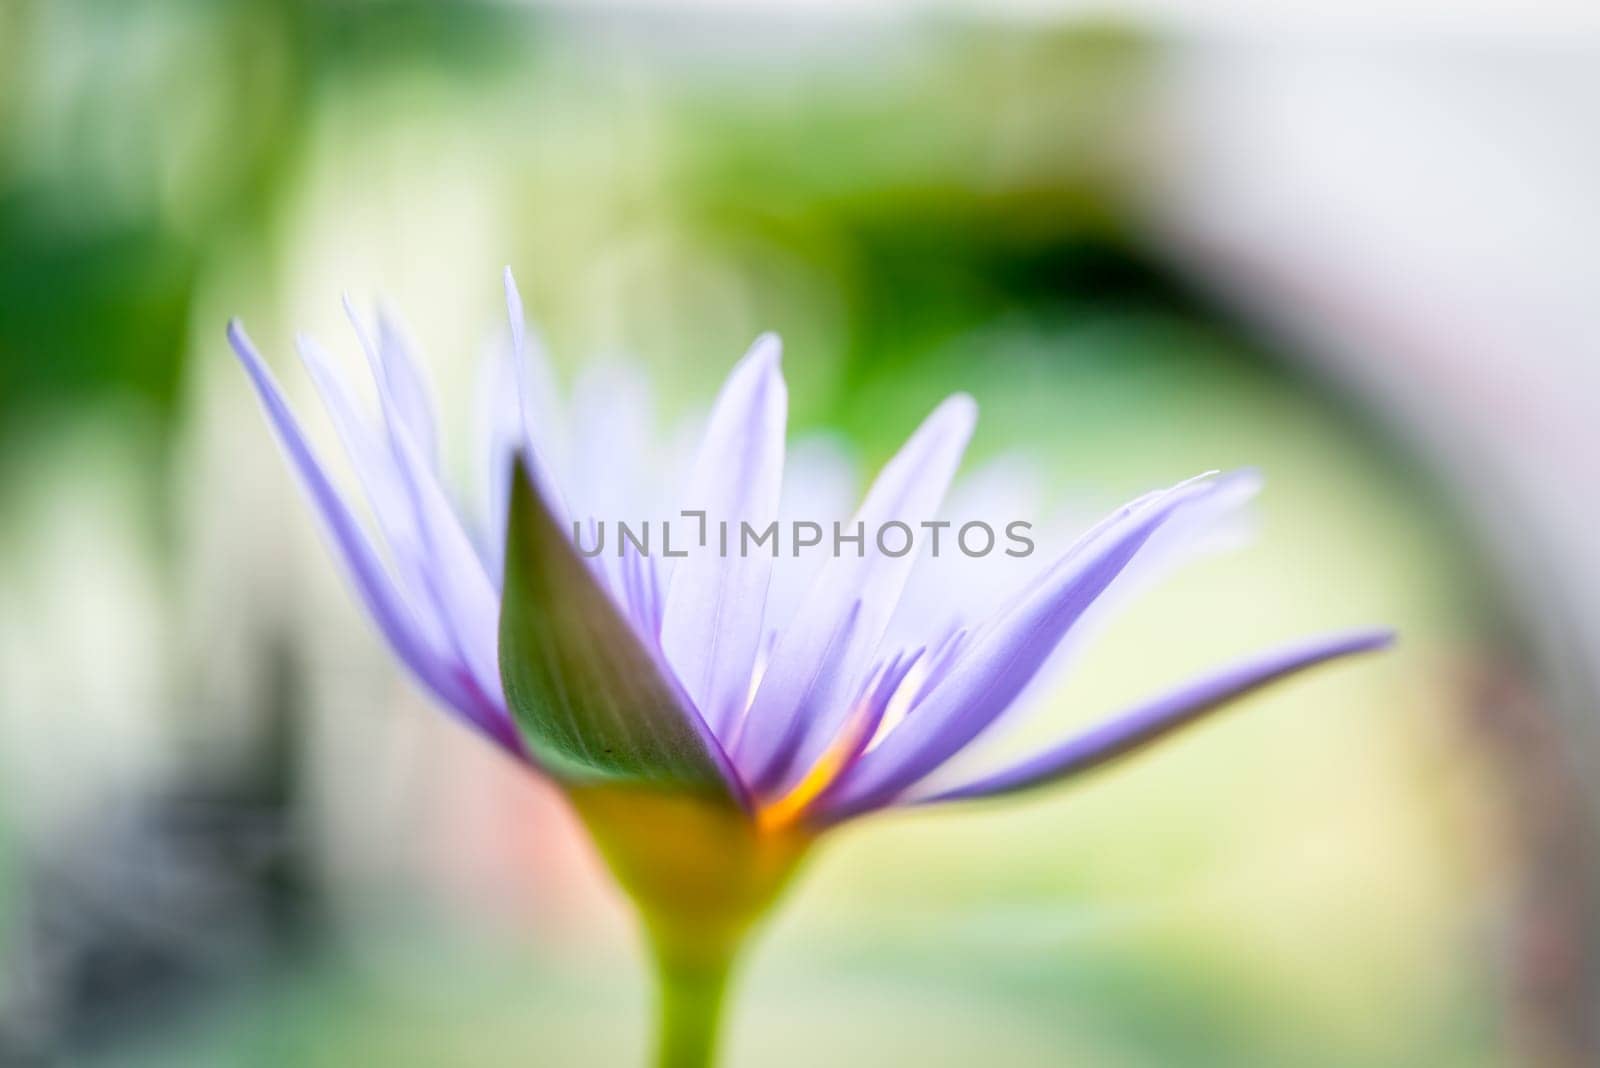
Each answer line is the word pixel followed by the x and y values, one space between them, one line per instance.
pixel 631 664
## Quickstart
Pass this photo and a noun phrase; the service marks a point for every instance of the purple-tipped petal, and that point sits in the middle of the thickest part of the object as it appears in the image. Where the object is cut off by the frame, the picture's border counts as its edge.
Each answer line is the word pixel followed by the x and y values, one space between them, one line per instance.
pixel 1000 660
pixel 799 708
pixel 460 587
pixel 383 483
pixel 607 482
pixel 499 426
pixel 819 485
pixel 716 597
pixel 1193 531
pixel 408 386
pixel 1146 723
pixel 397 373
pixel 395 619
pixel 541 430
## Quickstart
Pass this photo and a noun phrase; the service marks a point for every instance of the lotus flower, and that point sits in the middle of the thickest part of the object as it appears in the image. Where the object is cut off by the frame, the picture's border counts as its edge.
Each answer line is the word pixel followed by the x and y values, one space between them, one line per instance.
pixel 705 736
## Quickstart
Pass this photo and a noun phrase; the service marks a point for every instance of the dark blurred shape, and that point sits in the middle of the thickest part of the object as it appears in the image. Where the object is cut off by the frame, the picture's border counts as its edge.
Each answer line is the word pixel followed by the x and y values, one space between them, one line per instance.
pixel 162 906
pixel 1548 937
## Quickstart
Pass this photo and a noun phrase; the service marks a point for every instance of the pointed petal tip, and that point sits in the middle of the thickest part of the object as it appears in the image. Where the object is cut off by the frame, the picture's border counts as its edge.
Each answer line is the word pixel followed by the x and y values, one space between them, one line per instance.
pixel 389 318
pixel 760 369
pixel 515 314
pixel 313 357
pixel 952 421
pixel 1370 639
pixel 960 406
pixel 1353 640
pixel 1246 479
pixel 240 341
pixel 766 350
pixel 513 294
pixel 1236 485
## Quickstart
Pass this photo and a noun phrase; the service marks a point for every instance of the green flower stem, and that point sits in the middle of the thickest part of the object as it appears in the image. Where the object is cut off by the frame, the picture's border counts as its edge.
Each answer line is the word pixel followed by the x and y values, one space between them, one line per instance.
pixel 691 991
pixel 702 876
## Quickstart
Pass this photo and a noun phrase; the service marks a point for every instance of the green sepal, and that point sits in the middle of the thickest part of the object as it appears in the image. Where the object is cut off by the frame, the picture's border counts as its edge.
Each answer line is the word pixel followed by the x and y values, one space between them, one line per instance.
pixel 589 700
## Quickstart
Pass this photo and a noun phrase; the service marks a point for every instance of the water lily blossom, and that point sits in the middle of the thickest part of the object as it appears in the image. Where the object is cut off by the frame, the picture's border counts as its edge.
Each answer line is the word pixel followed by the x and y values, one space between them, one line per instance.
pixel 705 736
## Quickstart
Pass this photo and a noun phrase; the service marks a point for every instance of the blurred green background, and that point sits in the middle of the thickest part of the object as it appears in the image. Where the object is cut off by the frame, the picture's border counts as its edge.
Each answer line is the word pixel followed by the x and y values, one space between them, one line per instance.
pixel 232 835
